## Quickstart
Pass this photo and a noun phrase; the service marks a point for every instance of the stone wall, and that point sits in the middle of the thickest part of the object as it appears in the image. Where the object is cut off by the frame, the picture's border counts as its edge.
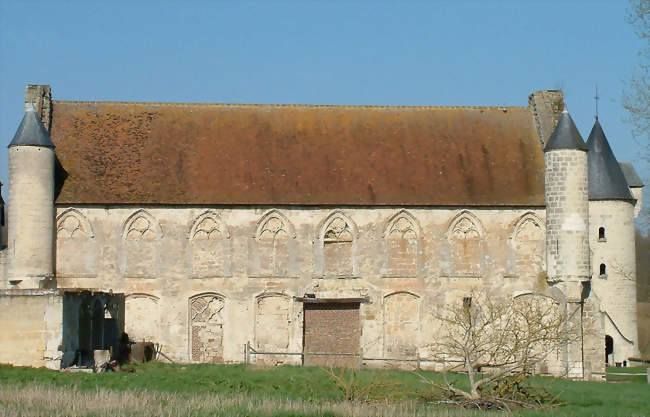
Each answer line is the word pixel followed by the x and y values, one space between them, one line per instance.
pixel 614 272
pixel 637 193
pixel 31 327
pixel 31 219
pixel 4 261
pixel 203 282
pixel 567 215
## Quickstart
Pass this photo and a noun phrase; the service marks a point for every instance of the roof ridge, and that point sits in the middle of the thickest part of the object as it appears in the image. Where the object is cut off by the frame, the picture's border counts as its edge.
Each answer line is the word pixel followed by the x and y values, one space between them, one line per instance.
pixel 272 105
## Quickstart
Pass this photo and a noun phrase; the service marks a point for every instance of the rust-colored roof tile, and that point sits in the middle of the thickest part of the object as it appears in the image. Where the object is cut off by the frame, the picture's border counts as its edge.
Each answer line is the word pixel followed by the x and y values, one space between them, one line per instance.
pixel 165 153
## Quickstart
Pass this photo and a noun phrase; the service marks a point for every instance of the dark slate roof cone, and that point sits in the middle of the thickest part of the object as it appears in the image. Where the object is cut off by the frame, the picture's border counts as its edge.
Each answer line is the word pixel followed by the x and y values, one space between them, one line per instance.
pixel 565 135
pixel 606 179
pixel 630 174
pixel 31 131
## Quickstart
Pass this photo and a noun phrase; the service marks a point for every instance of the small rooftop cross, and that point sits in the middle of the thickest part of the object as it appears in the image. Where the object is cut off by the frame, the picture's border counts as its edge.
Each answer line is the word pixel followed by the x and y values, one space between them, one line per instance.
pixel 596 98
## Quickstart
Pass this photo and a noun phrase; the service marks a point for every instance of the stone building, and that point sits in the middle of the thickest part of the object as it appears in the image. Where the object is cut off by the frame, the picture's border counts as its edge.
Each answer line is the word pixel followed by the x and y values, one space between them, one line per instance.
pixel 307 229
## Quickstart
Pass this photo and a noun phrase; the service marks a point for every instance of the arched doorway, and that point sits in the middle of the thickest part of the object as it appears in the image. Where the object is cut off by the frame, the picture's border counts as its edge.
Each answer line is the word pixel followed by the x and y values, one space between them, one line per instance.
pixel 206 328
pixel 609 347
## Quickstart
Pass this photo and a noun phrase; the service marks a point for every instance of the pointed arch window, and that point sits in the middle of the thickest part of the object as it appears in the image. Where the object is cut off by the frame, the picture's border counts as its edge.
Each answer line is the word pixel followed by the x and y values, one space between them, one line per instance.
pixel 71 224
pixel 273 235
pixel 75 245
pixel 141 233
pixel 272 322
pixel 143 313
pixel 527 240
pixel 603 271
pixel 465 236
pixel 401 325
pixel 338 236
pixel 209 246
pixel 206 328
pixel 402 234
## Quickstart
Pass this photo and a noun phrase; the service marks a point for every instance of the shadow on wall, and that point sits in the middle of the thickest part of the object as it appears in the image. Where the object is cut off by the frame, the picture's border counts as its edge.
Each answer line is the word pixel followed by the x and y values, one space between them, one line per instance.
pixel 643 292
pixel 643 320
pixel 3 220
pixel 91 321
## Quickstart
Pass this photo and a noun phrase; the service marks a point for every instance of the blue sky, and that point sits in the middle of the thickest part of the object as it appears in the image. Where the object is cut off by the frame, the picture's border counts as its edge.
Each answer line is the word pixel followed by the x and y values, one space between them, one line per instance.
pixel 327 52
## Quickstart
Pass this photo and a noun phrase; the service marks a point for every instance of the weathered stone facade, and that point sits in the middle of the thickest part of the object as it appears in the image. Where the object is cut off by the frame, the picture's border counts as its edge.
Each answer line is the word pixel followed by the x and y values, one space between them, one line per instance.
pixel 567 211
pixel 32 327
pixel 261 308
pixel 614 274
pixel 31 168
pixel 351 284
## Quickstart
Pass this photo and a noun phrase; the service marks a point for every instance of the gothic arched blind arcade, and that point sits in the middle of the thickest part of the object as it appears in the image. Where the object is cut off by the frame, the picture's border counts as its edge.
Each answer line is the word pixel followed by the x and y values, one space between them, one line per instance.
pixel 465 241
pixel 402 246
pixel 208 246
pixel 338 246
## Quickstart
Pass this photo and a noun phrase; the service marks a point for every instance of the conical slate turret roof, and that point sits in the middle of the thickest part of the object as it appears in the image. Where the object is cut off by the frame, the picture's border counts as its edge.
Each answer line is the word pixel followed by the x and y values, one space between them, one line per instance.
pixel 31 131
pixel 632 178
pixel 565 135
pixel 606 179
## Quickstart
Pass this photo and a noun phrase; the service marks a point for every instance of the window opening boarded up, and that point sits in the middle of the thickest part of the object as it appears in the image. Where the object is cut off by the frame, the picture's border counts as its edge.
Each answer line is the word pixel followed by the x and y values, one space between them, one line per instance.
pixel 331 334
pixel 206 325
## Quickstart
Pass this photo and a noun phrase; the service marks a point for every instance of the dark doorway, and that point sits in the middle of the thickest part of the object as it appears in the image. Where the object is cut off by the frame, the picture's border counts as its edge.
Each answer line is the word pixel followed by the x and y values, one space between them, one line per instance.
pixel 609 347
pixel 331 334
pixel 91 321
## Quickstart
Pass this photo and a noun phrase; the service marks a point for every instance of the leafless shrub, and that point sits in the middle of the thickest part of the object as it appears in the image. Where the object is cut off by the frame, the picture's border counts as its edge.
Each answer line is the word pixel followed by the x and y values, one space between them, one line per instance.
pixel 354 389
pixel 505 338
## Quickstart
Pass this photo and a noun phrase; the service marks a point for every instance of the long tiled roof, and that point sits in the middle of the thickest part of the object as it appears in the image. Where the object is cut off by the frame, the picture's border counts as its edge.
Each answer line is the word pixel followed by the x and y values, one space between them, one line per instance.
pixel 166 153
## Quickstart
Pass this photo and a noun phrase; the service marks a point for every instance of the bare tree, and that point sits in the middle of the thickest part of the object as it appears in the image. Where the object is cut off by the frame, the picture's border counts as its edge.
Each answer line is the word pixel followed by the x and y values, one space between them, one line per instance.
pixel 506 337
pixel 636 98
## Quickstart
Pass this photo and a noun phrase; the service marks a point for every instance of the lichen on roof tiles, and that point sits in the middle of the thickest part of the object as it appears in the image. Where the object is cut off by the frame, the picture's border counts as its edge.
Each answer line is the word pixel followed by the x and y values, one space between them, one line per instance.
pixel 168 153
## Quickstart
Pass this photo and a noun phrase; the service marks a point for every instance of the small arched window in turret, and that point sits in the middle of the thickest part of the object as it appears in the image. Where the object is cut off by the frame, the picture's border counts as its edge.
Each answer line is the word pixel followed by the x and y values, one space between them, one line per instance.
pixel 601 234
pixel 603 271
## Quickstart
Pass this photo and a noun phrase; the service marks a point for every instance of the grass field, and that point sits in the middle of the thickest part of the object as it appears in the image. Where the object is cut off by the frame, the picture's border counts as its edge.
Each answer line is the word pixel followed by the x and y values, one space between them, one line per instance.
pixel 238 390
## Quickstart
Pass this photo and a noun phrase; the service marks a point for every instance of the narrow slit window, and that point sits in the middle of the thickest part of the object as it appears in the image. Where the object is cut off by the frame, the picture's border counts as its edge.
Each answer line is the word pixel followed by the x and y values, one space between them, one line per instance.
pixel 601 233
pixel 603 270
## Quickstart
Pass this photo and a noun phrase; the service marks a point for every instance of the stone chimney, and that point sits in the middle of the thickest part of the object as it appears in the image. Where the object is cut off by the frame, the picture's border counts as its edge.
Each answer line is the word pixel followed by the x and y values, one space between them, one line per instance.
pixel 546 107
pixel 41 97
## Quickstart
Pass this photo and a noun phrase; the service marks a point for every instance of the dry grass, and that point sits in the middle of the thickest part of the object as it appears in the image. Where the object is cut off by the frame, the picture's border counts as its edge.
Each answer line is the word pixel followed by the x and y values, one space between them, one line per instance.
pixel 36 400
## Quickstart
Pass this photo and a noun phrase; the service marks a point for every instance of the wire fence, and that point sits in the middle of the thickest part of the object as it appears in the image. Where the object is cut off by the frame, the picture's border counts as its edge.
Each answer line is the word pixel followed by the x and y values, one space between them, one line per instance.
pixel 251 354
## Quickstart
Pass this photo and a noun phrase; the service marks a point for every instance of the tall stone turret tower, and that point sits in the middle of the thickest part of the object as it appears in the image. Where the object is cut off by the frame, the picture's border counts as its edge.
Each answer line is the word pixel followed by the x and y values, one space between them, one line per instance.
pixel 567 229
pixel 611 216
pixel 31 202
pixel 567 204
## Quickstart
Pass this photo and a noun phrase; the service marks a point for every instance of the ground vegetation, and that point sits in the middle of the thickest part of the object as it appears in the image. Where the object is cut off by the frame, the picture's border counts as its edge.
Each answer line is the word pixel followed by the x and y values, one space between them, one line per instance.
pixel 238 390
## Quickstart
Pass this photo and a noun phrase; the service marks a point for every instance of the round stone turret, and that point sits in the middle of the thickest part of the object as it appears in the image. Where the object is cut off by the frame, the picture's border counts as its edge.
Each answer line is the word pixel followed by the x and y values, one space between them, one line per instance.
pixel 567 205
pixel 611 216
pixel 31 205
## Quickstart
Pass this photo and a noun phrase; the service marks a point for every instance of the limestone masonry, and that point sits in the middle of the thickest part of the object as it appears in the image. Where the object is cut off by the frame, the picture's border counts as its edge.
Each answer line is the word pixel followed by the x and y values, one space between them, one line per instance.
pixel 315 235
